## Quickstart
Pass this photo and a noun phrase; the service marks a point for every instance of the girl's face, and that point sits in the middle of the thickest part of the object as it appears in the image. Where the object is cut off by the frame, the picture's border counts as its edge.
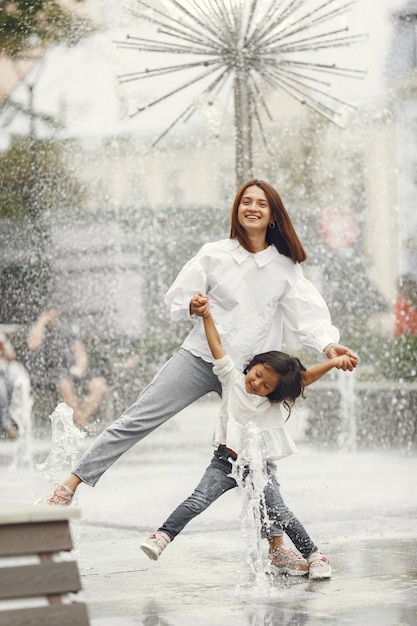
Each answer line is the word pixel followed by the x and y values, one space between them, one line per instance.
pixel 253 213
pixel 261 380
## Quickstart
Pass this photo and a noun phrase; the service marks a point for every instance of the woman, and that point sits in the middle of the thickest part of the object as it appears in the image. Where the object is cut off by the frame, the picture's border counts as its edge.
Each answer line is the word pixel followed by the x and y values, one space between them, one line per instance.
pixel 256 286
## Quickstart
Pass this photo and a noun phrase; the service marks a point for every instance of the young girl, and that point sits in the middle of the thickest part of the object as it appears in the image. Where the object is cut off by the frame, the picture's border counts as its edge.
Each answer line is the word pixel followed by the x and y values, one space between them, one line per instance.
pixel 269 379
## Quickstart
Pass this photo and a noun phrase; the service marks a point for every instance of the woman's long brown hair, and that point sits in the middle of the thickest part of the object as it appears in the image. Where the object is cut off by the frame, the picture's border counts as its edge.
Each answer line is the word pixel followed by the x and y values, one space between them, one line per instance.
pixel 283 236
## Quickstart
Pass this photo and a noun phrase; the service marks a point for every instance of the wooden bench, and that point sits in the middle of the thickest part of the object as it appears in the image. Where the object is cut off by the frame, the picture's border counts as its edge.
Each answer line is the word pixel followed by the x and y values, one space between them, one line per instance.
pixel 34 581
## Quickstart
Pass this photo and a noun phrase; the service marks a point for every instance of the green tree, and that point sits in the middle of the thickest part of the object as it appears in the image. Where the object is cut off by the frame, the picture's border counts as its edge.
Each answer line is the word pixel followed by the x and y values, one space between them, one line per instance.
pixel 44 21
pixel 56 187
pixel 34 175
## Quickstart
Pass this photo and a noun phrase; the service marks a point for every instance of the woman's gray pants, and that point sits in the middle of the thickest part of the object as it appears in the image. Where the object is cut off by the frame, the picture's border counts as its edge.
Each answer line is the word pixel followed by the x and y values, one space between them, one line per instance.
pixel 182 380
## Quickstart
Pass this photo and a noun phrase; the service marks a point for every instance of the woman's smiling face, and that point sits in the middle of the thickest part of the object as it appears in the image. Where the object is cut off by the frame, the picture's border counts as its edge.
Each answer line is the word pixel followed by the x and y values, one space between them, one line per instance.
pixel 254 213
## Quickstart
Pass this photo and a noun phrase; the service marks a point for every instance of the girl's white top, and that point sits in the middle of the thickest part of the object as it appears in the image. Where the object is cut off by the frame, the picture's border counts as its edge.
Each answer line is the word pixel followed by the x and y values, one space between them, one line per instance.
pixel 239 409
pixel 252 297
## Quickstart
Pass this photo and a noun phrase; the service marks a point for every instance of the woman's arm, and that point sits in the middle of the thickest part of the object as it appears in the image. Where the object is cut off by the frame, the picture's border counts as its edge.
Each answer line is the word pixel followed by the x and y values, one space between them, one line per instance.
pixel 314 373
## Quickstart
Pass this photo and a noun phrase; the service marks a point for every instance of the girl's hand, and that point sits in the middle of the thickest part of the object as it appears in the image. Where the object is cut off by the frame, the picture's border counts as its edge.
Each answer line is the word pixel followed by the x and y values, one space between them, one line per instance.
pixel 343 362
pixel 199 305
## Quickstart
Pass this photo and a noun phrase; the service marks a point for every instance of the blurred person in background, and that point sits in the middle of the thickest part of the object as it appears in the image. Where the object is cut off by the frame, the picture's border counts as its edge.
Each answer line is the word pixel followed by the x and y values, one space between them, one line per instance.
pixel 57 359
pixel 405 307
pixel 15 390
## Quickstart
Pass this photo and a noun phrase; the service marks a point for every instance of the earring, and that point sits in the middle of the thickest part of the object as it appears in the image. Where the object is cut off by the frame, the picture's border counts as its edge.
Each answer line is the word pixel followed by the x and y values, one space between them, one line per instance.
pixel 271 225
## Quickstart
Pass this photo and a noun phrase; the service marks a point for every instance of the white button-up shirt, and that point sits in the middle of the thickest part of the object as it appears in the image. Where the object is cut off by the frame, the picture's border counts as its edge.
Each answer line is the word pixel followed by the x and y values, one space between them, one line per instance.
pixel 252 297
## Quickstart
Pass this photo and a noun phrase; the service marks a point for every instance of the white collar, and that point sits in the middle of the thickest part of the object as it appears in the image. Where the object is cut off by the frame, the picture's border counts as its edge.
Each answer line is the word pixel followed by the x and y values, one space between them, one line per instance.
pixel 240 254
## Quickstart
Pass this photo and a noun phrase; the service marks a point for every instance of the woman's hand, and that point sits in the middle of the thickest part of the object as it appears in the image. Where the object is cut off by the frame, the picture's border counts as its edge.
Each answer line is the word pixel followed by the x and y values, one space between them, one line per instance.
pixel 336 350
pixel 199 305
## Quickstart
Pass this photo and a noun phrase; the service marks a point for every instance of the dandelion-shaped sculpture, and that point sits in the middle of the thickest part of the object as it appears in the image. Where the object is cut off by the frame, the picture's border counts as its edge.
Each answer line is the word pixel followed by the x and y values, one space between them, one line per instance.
pixel 246 48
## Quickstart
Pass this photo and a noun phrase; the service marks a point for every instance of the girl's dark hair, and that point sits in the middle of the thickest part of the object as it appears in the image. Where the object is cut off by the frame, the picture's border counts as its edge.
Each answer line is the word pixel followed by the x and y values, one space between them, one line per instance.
pixel 290 370
pixel 282 236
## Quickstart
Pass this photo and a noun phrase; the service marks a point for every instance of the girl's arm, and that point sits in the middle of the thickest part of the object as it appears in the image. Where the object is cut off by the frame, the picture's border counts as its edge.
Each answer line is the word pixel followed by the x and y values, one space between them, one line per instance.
pixel 213 337
pixel 199 305
pixel 316 372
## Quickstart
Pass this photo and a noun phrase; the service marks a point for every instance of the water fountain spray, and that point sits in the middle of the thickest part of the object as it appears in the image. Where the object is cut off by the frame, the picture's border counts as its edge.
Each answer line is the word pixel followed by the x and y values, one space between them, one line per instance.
pixel 66 439
pixel 250 475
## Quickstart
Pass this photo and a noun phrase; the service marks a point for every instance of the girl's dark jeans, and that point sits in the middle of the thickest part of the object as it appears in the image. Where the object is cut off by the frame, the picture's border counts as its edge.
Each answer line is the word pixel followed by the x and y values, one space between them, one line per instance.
pixel 216 480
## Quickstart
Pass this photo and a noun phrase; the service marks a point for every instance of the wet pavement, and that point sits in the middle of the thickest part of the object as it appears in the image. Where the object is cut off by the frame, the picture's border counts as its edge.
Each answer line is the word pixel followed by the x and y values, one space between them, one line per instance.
pixel 359 507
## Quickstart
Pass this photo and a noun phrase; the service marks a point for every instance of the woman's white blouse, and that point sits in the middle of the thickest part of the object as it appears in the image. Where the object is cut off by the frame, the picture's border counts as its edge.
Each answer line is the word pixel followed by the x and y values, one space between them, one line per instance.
pixel 238 409
pixel 252 297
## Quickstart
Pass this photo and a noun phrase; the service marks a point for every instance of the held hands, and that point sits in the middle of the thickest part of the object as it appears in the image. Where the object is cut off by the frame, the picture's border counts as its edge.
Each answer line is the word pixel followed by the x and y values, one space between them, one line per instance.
pixel 199 305
pixel 344 358
pixel 342 362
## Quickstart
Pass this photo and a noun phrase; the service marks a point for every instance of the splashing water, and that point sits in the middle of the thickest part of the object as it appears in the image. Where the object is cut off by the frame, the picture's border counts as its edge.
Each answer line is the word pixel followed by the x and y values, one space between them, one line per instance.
pixel 250 474
pixel 21 411
pixel 348 437
pixel 66 438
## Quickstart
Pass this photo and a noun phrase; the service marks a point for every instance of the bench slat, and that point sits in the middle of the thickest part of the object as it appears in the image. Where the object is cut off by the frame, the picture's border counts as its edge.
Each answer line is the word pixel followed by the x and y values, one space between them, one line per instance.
pixel 20 539
pixel 63 614
pixel 48 578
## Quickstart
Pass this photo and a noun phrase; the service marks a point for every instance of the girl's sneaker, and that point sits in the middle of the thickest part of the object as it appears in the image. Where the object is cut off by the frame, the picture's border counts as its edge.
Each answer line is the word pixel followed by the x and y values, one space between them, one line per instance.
pixel 61 496
pixel 154 545
pixel 319 566
pixel 286 561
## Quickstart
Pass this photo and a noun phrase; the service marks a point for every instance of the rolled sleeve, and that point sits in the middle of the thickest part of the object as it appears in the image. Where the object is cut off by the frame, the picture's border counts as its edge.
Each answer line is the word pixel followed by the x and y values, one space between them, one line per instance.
pixel 307 316
pixel 192 279
pixel 224 369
